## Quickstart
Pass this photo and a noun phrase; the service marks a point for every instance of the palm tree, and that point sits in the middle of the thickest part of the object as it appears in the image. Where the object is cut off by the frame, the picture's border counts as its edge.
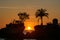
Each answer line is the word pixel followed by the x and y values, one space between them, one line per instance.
pixel 23 16
pixel 41 13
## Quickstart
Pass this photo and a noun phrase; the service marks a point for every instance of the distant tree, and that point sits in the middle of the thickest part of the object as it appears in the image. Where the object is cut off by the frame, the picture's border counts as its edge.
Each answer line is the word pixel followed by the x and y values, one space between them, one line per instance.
pixel 23 16
pixel 55 21
pixel 40 14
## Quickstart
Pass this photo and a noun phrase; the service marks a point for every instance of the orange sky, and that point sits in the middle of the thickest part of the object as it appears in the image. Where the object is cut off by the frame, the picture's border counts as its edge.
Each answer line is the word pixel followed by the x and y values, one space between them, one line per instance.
pixel 10 8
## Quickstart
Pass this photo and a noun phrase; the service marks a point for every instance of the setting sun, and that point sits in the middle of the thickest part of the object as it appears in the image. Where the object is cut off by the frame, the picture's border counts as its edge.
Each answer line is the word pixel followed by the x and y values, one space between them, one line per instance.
pixel 29 28
pixel 29 25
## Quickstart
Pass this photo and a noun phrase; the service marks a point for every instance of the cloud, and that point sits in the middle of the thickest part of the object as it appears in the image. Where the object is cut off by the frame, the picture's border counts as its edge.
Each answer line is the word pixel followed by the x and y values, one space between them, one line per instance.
pixel 10 7
pixel 23 8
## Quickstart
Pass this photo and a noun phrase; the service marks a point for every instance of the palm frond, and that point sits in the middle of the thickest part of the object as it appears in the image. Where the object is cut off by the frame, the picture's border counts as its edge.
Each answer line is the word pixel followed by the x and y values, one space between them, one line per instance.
pixel 46 14
pixel 23 16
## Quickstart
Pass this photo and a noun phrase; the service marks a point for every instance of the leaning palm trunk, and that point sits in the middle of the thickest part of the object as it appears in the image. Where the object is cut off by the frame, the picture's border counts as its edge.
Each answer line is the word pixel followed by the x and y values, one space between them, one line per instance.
pixel 41 21
pixel 38 20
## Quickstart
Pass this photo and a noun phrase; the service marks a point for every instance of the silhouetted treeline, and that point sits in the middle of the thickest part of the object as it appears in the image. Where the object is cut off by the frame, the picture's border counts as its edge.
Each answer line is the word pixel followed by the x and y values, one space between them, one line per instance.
pixel 51 31
pixel 12 31
pixel 15 30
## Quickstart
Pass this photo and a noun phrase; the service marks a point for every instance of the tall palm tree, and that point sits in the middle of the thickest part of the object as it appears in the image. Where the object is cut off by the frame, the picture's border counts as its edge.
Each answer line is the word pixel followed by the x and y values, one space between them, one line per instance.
pixel 41 13
pixel 23 16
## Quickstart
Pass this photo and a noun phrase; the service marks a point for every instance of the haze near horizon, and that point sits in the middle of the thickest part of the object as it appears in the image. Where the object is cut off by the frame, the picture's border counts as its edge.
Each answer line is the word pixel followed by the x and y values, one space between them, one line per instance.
pixel 10 8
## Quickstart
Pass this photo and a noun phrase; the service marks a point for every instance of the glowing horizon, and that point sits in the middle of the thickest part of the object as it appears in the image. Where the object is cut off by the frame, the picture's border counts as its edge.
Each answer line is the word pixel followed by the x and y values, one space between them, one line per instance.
pixel 10 8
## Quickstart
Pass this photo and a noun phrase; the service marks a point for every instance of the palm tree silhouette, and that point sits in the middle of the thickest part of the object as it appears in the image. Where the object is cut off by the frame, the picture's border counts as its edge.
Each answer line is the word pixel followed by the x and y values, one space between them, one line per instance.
pixel 40 13
pixel 23 16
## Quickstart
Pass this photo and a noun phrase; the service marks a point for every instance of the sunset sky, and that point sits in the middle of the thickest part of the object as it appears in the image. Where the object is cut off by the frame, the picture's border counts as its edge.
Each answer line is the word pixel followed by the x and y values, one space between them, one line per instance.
pixel 10 8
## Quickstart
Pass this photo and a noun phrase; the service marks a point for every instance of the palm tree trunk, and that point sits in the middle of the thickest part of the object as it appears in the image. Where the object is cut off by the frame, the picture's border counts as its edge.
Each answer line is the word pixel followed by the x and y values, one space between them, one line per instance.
pixel 41 21
pixel 38 20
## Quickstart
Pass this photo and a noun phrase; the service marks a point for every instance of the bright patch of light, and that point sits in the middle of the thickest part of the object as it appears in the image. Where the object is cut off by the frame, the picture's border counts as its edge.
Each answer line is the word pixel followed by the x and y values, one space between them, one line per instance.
pixel 29 28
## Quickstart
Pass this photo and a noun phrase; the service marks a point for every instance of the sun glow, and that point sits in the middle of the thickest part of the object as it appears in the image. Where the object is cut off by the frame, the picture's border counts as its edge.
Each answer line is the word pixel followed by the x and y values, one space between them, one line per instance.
pixel 29 25
pixel 29 28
